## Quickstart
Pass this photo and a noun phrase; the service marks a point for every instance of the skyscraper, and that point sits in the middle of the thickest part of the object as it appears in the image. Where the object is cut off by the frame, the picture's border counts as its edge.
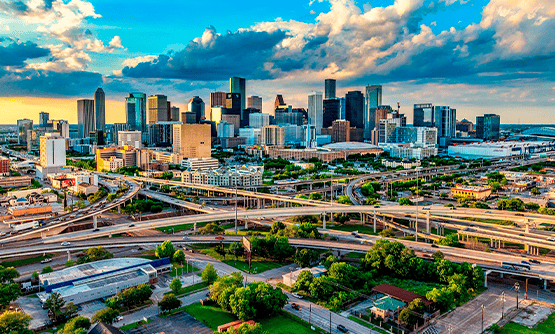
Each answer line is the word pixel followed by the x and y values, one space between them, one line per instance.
pixel 196 106
pixel 330 89
pixel 100 109
pixel 238 85
pixel 354 109
pixel 43 119
pixel 175 114
pixel 445 120
pixel 233 103
pixel 157 109
pixel 423 115
pixel 315 111
pixel 85 117
pixel 255 102
pixel 373 99
pixel 135 111
pixel 331 110
pixel 487 126
pixel 217 99
pixel 279 102
pixel 23 125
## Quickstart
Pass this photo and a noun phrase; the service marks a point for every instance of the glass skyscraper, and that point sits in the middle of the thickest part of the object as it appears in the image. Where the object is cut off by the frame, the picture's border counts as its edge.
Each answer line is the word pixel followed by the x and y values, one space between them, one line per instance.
pixel 135 111
pixel 373 99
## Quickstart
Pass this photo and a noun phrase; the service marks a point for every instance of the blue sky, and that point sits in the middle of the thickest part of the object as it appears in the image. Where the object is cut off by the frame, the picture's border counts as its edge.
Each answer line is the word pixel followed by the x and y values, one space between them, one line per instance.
pixel 478 56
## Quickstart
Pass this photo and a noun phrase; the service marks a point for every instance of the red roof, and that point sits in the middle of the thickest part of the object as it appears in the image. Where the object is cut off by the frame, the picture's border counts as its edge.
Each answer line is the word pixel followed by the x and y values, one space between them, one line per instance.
pixel 399 294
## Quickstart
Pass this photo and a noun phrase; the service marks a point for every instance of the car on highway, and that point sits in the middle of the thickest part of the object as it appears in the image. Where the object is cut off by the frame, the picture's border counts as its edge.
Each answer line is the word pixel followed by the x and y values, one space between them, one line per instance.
pixel 551 239
pixel 488 212
pixel 186 238
pixel 119 318
pixel 342 329
pixel 296 306
pixel 296 295
pixel 131 225
pixel 521 234
pixel 534 261
pixel 96 230
pixel 525 262
pixel 426 208
pixel 219 238
pixel 46 260
pixel 519 214
pixel 65 243
pixel 435 246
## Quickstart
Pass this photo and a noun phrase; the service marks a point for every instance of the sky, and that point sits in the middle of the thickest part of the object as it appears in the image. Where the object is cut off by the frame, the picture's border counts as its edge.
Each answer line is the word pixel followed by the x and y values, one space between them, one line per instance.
pixel 478 56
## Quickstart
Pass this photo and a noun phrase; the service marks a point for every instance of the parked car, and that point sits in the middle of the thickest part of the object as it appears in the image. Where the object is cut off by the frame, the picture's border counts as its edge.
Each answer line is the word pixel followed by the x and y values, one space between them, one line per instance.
pixel 296 295
pixel 119 318
pixel 342 329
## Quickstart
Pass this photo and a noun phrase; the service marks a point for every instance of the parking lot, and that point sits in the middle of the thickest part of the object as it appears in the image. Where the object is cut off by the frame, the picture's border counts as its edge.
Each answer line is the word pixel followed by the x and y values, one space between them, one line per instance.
pixel 176 324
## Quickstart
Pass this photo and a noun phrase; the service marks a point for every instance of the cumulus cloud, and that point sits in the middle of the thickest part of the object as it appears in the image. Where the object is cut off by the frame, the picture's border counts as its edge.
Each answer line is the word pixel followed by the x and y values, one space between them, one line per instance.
pixel 15 54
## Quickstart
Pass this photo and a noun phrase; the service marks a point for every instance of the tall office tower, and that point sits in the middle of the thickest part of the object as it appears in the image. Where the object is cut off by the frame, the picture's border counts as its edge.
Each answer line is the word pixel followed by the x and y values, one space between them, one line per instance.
pixel 342 108
pixel 315 111
pixel 258 120
pixel 233 103
pixel 157 109
pixel 238 85
pixel 272 135
pixel 465 126
pixel 340 131
pixel 217 99
pixel 43 119
pixel 135 111
pixel 487 126
pixel 61 126
pixel 331 110
pixel 131 138
pixel 100 110
pixel 255 102
pixel 23 125
pixel 196 106
pixel 188 117
pixel 169 112
pixel 382 112
pixel 279 103
pixel 387 129
pixel 174 113
pixel 423 115
pixel 330 89
pixel 445 120
pixel 85 118
pixel 52 154
pixel 354 108
pixel 192 140
pixel 116 128
pixel 373 99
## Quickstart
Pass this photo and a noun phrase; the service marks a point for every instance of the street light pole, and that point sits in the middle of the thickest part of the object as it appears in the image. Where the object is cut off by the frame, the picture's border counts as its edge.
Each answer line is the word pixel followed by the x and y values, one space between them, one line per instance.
pixel 482 318
pixel 503 306
pixel 517 287
pixel 236 207
pixel 416 223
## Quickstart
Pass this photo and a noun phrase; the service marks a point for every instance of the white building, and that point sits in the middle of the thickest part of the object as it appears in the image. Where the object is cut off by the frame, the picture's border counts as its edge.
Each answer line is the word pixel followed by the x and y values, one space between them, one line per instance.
pixel 200 164
pixel 316 110
pixel 272 135
pixel 131 138
pixel 408 151
pixel 52 154
pixel 488 150
pixel 258 120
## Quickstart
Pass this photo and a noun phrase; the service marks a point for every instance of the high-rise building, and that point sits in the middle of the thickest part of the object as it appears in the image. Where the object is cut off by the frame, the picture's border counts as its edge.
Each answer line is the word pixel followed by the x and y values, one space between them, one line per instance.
pixel 85 118
pixel 196 106
pixel 340 131
pixel 100 109
pixel 135 111
pixel 342 102
pixel 487 126
pixel 465 126
pixel 289 116
pixel 258 120
pixel 132 138
pixel 157 109
pixel 331 110
pixel 116 128
pixel 192 140
pixel 272 135
pixel 418 136
pixel 174 112
pixel 329 89
pixel 61 126
pixel 43 119
pixel 217 99
pixel 169 112
pixel 373 99
pixel 255 102
pixel 382 112
pixel 354 108
pixel 233 103
pixel 315 111
pixel 423 115
pixel 188 117
pixel 52 154
pixel 279 102
pixel 445 120
pixel 238 85
pixel 23 125
pixel 226 130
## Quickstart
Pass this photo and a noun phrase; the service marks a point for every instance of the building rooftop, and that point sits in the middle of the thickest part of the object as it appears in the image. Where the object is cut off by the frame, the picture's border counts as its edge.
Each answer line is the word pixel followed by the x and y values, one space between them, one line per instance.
pixel 471 188
pixel 388 303
pixel 399 294
pixel 351 145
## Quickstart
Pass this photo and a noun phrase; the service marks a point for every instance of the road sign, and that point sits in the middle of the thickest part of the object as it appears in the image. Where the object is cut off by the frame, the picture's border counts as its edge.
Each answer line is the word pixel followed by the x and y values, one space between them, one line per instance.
pixel 247 244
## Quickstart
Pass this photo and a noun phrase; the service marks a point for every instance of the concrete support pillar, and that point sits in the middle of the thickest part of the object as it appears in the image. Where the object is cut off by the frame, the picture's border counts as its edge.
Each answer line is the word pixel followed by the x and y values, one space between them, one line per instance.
pixel 527 248
pixel 428 222
pixel 501 275
pixel 95 222
pixel 374 221
pixel 527 228
pixel 486 280
pixel 119 208
pixel 545 284
pixel 331 217
pixel 68 255
pixel 246 224
pixel 195 226
pixel 491 243
pixel 324 220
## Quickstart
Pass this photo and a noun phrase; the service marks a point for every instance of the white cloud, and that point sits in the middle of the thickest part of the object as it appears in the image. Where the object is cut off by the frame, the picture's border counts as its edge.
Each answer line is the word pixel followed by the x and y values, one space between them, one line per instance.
pixel 131 62
pixel 116 43
pixel 64 60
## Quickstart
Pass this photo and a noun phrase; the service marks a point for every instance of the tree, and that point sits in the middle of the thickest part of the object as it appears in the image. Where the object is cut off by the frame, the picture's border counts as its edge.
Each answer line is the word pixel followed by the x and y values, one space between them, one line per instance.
pixel 70 263
pixel 303 281
pixel 344 273
pixel 35 275
pixel 46 270
pixel 246 328
pixel 76 325
pixel 535 191
pixel 257 300
pixel 9 290
pixel 451 240
pixel 438 255
pixel 95 254
pixel 412 312
pixel 236 249
pixel 315 196
pixel 495 186
pixel 330 260
pixel 179 257
pixel 15 322
pixel 320 289
pixel 166 249
pixel 443 298
pixel 277 226
pixel 175 286
pixel 169 302
pixel 209 274
pixel 282 249
pixel 388 233
pixel 405 201
pixel 223 287
pixel 55 303
pixel 107 315
pixel 304 257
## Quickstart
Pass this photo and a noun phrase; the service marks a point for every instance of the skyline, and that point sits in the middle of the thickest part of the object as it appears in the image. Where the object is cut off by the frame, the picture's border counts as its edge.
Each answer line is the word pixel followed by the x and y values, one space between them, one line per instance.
pixel 497 59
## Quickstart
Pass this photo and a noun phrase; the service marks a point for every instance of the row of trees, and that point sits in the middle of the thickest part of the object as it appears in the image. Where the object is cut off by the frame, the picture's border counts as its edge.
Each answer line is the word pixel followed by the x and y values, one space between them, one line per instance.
pixel 254 301
pixel 139 206
pixel 129 298
pixel 95 254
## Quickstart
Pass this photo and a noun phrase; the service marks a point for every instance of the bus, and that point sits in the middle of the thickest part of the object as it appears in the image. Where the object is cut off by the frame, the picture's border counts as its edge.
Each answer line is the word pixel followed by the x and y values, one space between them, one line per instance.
pixel 515 266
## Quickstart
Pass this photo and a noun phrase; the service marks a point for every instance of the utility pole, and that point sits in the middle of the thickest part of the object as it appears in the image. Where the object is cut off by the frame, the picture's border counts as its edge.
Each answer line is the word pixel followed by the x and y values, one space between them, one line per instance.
pixel 236 207
pixel 482 318
pixel 416 223
pixel 517 287
pixel 503 305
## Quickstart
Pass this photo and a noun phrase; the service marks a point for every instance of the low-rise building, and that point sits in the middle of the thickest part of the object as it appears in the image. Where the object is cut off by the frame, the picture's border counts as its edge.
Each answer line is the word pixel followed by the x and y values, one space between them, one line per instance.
pixel 408 151
pixel 25 210
pixel 406 164
pixel 85 188
pixel 291 278
pixel 225 177
pixel 111 158
pixel 390 300
pixel 168 157
pixel 200 163
pixel 15 181
pixel 476 192
pixel 326 153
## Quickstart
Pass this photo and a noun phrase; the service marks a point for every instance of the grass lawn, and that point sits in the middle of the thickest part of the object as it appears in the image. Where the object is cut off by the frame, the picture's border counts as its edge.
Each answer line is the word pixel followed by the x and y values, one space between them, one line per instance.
pixel 351 228
pixel 181 227
pixel 177 269
pixel 355 255
pixel 135 324
pixel 491 221
pixel 546 327
pixel 259 264
pixel 418 287
pixel 186 290
pixel 22 262
pixel 213 316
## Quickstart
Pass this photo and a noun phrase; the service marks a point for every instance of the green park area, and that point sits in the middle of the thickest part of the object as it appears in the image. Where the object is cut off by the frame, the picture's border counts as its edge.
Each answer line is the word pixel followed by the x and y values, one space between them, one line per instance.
pixel 281 323
pixel 352 228
pixel 546 327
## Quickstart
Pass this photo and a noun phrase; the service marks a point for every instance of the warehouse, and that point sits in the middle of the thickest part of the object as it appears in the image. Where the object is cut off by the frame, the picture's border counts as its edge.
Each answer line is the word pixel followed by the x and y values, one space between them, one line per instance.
pixel 100 279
